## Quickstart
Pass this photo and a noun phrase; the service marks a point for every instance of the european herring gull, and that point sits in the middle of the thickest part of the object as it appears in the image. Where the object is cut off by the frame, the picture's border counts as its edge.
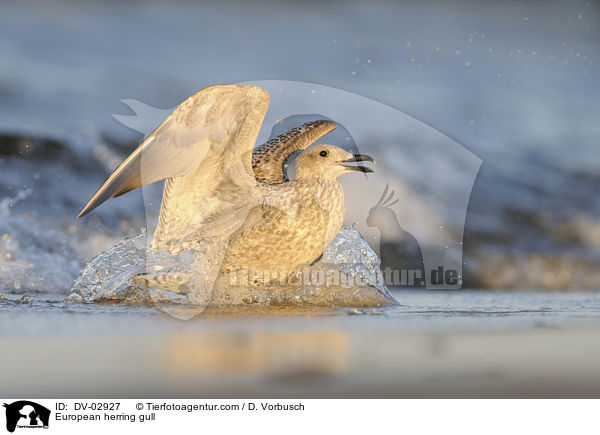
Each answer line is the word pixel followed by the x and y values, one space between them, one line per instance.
pixel 236 201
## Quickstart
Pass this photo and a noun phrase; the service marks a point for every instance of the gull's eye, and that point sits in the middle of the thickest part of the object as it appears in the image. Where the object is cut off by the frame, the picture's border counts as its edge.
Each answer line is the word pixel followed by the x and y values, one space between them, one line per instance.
pixel 324 153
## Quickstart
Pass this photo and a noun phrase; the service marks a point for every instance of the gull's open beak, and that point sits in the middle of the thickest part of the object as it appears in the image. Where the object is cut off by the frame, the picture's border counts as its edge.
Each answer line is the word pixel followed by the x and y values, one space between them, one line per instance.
pixel 358 158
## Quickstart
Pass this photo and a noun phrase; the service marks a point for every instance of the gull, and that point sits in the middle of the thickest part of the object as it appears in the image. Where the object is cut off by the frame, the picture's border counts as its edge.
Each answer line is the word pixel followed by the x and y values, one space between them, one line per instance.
pixel 236 199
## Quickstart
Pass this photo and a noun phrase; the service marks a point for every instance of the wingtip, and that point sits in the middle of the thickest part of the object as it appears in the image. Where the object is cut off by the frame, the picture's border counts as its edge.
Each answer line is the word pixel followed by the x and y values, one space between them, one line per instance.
pixel 82 213
pixel 92 204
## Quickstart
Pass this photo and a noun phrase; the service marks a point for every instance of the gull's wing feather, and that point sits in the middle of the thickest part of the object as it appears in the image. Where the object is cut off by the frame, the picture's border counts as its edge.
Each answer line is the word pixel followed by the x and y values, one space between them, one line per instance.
pixel 268 159
pixel 214 129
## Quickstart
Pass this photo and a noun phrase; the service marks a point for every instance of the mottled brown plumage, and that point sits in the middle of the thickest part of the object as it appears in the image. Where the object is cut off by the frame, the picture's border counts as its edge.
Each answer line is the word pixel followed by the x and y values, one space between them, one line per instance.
pixel 269 158
pixel 296 220
pixel 218 194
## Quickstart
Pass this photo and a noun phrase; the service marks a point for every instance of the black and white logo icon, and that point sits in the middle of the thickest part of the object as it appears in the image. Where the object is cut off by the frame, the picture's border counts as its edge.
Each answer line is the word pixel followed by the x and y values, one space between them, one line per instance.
pixel 26 414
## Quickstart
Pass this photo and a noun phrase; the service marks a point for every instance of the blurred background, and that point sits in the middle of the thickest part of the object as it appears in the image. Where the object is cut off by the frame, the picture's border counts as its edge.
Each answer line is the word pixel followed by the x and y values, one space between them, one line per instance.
pixel 514 82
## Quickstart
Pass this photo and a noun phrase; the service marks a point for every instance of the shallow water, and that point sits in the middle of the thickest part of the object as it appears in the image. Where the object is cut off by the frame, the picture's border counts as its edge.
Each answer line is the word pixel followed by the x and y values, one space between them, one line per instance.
pixel 423 310
pixel 436 344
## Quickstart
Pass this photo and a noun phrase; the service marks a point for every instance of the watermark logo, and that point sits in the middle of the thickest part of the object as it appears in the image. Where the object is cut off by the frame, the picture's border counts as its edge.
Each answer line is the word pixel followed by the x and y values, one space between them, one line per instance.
pixel 24 414
pixel 411 212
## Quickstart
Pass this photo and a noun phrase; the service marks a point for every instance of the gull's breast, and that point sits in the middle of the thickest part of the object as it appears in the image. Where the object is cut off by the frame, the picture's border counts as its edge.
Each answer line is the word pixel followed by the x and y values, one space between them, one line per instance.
pixel 293 231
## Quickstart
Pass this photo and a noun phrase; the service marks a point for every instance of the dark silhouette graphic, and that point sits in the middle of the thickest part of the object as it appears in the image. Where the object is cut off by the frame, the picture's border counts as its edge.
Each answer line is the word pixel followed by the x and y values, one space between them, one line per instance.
pixel 28 410
pixel 401 257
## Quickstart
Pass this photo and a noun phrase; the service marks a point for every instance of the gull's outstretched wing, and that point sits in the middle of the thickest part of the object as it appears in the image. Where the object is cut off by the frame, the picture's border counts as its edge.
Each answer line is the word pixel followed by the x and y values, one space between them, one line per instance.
pixel 204 151
pixel 268 159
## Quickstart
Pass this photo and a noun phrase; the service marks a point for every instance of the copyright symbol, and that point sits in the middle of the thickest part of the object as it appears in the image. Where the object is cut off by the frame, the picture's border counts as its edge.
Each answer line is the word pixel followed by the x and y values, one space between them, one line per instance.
pixel 139 406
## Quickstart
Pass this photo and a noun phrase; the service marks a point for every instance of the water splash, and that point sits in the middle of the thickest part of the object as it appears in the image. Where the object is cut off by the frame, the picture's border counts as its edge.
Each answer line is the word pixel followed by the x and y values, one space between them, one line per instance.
pixel 113 276
pixel 25 247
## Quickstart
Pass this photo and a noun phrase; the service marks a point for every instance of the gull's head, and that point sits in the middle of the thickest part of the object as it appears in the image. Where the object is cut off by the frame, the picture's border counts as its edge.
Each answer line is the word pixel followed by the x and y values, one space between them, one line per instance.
pixel 329 161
